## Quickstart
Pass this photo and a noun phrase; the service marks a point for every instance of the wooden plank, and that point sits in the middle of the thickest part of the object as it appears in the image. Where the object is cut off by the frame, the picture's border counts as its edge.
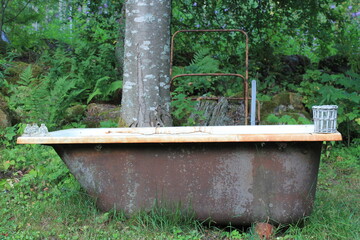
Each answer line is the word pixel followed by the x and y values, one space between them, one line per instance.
pixel 283 133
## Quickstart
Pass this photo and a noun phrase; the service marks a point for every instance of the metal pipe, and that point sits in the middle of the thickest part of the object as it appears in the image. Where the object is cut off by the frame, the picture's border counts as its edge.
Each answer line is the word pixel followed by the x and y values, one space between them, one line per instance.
pixel 253 102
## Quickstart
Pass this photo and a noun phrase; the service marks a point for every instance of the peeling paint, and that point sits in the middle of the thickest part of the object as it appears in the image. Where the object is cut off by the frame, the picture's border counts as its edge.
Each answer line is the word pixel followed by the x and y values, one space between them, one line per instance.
pixel 87 175
pixel 234 182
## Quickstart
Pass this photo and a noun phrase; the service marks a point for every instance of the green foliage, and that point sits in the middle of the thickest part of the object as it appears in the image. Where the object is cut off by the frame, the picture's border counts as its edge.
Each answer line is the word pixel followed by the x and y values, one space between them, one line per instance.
pixel 276 28
pixel 7 135
pixel 286 119
pixel 91 65
pixel 18 18
pixel 188 88
pixel 76 44
pixel 32 169
pixel 320 88
pixel 234 234
pixel 103 89
pixel 108 124
pixel 182 107
pixel 345 160
pixel 202 63
pixel 42 100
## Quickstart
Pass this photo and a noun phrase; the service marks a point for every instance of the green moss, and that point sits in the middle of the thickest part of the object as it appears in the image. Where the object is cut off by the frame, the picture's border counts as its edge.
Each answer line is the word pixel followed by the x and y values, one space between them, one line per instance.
pixel 122 123
pixel 16 68
pixel 284 104
pixel 74 113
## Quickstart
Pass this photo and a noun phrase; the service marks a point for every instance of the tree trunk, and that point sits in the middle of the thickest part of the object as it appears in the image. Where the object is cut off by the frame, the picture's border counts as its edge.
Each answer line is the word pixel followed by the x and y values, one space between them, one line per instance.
pixel 146 90
pixel 3 6
pixel 119 48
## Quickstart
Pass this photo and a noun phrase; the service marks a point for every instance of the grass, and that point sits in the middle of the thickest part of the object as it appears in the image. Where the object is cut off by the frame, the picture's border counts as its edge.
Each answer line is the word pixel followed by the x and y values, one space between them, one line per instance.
pixel 39 199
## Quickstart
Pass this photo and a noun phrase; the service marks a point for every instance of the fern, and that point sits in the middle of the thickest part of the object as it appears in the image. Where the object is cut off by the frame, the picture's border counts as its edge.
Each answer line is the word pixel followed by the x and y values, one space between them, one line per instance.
pixel 203 62
pixel 200 54
pixel 43 100
pixel 61 97
pixel 104 89
pixel 26 77
pixel 205 65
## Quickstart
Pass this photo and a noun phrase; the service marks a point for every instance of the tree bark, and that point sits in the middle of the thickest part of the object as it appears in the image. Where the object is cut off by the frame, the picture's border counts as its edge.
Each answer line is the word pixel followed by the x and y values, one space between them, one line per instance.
pixel 146 83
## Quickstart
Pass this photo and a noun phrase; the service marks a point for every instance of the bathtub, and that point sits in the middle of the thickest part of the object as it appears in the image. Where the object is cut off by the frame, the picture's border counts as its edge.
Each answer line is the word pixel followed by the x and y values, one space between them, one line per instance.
pixel 224 174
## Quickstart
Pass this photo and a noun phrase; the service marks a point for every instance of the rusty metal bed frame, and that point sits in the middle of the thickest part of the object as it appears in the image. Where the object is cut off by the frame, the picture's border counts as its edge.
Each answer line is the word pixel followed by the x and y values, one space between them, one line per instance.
pixel 245 78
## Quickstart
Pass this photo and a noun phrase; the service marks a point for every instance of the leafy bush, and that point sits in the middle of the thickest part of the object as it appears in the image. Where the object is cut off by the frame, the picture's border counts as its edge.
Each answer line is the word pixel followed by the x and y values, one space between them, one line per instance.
pixel 320 88
pixel 42 100
pixel 90 65
pixel 286 119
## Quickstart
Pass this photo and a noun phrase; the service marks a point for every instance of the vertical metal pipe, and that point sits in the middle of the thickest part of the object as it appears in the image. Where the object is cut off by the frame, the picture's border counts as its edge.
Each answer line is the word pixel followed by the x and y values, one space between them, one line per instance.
pixel 253 102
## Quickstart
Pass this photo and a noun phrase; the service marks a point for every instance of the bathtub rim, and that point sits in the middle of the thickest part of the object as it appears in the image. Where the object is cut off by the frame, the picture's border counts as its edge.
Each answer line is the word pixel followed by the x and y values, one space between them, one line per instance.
pixel 257 133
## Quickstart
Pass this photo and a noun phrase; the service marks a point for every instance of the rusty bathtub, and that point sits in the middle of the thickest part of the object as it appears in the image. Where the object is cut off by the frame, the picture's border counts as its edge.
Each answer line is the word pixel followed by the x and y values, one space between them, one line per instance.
pixel 230 174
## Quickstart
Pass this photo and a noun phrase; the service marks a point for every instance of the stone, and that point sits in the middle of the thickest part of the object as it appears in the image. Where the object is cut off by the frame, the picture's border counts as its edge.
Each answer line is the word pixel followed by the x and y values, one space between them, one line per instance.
pixel 99 112
pixel 74 113
pixel 4 119
pixel 222 112
pixel 16 68
pixel 285 103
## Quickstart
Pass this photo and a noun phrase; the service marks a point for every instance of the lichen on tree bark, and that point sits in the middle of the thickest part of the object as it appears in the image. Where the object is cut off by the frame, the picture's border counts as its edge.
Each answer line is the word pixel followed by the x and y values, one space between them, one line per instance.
pixel 146 90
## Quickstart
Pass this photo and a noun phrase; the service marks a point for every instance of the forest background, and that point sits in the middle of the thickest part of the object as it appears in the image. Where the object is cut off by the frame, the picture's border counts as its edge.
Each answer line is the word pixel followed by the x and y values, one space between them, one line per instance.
pixel 59 57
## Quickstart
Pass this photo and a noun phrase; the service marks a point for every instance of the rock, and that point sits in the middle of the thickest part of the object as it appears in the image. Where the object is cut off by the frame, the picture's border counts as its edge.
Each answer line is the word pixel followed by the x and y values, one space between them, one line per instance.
pixel 16 68
pixel 5 119
pixel 222 112
pixel 286 103
pixel 97 112
pixel 74 113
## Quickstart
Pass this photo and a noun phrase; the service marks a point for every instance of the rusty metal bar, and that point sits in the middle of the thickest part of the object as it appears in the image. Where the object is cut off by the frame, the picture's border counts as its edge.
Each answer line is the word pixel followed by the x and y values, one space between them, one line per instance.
pixel 207 74
pixel 246 97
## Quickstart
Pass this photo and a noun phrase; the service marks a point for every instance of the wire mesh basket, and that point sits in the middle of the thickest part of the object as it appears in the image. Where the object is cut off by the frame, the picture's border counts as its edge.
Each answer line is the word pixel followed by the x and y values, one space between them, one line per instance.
pixel 325 118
